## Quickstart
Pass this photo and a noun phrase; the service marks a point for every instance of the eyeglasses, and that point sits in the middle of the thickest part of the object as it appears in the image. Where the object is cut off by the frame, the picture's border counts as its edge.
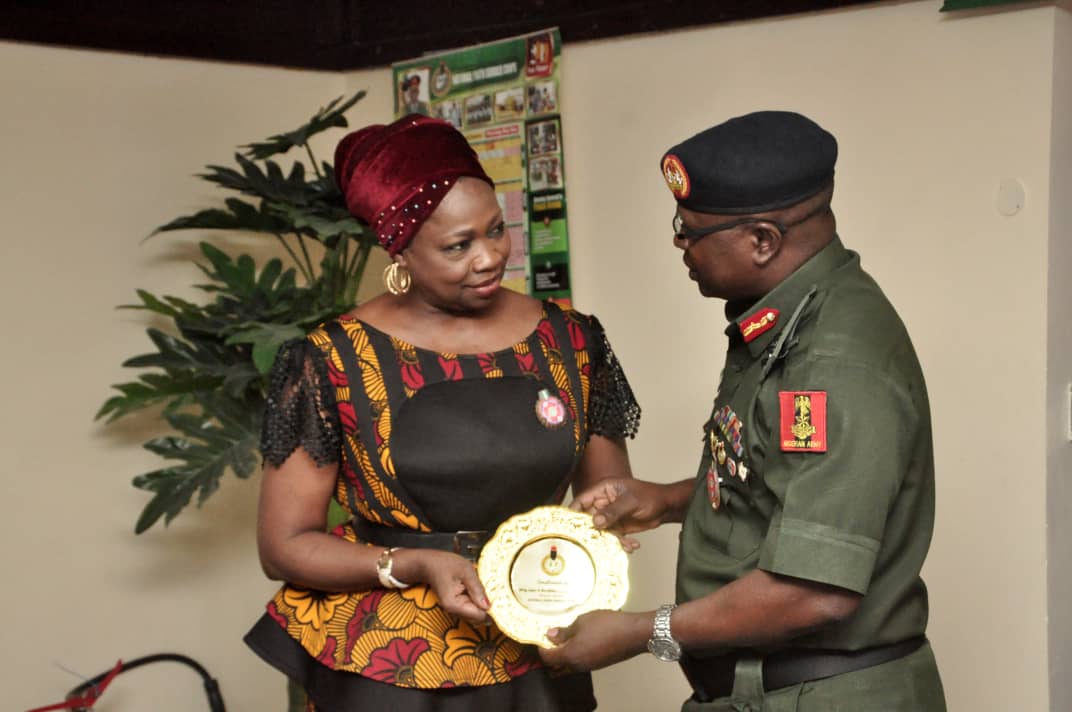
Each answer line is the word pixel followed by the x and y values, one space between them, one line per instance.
pixel 691 234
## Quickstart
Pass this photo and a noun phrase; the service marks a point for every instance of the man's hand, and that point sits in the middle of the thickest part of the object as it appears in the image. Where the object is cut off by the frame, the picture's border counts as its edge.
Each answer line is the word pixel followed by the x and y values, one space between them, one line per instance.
pixel 598 639
pixel 624 505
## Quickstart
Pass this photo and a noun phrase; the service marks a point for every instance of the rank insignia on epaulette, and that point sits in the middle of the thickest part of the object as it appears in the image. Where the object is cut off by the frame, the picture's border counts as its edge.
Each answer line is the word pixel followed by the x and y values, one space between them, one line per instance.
pixel 760 322
pixel 803 421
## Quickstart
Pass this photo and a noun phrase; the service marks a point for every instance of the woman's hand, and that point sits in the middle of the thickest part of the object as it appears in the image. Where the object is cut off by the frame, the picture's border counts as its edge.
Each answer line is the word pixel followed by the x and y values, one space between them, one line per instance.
pixel 451 577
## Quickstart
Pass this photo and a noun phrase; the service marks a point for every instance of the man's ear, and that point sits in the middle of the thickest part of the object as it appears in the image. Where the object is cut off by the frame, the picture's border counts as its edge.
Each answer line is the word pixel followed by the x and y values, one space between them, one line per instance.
pixel 766 243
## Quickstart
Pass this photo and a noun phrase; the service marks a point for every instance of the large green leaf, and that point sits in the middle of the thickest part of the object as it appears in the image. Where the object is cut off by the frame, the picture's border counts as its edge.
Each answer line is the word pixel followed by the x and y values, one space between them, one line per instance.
pixel 239 215
pixel 155 388
pixel 172 487
pixel 153 303
pixel 321 223
pixel 178 354
pixel 326 118
pixel 173 307
pixel 238 274
pixel 266 340
pixel 267 183
pixel 217 439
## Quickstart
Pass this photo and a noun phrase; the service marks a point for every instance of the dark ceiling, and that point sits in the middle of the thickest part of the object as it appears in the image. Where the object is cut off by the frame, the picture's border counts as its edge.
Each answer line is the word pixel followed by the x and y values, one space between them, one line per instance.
pixel 350 34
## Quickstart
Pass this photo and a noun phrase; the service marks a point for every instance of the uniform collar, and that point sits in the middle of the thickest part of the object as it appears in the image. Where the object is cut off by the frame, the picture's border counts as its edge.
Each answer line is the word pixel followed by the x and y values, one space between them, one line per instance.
pixel 761 322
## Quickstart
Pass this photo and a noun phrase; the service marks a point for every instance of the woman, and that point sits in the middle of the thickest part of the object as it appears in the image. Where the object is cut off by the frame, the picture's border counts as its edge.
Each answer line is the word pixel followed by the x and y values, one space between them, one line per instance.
pixel 433 413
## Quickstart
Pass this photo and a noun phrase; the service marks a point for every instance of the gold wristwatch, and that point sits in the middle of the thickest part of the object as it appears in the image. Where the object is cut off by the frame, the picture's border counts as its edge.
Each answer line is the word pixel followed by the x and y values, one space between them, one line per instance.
pixel 383 570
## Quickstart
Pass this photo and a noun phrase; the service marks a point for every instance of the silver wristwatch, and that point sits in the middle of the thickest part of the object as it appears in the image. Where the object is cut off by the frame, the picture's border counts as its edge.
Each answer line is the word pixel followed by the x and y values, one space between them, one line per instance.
pixel 662 644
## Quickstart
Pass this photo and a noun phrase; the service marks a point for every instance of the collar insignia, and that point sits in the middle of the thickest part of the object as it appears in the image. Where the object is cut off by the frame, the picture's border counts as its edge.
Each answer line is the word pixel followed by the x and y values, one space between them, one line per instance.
pixel 761 321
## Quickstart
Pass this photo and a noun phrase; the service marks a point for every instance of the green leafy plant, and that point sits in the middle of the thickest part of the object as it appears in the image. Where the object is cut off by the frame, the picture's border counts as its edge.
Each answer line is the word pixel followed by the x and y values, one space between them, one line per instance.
pixel 208 370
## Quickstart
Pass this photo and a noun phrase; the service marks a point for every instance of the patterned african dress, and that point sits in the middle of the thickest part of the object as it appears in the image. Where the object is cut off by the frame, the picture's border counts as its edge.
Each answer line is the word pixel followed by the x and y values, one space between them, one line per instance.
pixel 442 442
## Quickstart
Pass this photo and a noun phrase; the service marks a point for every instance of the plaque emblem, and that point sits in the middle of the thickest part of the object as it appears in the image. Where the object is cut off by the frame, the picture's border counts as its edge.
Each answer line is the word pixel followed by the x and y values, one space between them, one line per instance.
pixel 553 564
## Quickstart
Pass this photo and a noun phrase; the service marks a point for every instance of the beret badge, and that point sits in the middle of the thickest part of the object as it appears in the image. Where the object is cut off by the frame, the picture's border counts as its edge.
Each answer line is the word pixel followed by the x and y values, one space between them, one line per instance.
pixel 677 178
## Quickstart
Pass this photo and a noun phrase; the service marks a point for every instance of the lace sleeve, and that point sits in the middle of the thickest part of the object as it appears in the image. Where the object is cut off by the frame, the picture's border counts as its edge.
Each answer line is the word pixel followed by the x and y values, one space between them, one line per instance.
pixel 300 409
pixel 612 409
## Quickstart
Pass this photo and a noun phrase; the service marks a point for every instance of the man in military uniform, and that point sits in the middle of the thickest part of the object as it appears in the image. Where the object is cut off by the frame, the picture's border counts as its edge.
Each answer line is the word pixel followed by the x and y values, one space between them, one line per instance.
pixel 805 529
pixel 411 96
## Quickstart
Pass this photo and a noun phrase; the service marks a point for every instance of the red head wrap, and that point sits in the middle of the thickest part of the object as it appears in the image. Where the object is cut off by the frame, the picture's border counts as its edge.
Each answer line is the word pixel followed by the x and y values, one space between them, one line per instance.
pixel 394 176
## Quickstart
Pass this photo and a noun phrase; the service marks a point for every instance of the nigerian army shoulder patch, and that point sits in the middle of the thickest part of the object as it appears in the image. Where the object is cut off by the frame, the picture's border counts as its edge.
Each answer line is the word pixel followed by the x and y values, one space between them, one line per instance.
pixel 803 421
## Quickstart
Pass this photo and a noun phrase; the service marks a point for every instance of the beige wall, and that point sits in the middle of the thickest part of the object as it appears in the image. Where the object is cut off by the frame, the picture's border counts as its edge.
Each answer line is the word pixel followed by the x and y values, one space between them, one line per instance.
pixel 1059 371
pixel 98 150
pixel 930 110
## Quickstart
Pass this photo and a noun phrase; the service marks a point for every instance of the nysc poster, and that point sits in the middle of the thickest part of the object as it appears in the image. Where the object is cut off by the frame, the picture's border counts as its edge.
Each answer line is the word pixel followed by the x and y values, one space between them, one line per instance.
pixel 504 96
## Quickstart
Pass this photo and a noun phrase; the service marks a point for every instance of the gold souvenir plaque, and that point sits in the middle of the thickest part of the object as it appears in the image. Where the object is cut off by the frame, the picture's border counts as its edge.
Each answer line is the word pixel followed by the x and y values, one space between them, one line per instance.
pixel 547 566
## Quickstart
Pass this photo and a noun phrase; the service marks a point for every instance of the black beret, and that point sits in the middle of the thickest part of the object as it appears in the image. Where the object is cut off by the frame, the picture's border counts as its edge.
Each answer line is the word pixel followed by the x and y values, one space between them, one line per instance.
pixel 751 164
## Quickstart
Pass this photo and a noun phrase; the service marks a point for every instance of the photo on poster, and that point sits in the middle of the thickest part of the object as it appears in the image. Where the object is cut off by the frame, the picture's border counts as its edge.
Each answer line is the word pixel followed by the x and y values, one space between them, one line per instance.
pixel 478 110
pixel 547 228
pixel 509 104
pixel 543 137
pixel 413 92
pixel 542 98
pixel 540 55
pixel 551 275
pixel 545 173
pixel 449 111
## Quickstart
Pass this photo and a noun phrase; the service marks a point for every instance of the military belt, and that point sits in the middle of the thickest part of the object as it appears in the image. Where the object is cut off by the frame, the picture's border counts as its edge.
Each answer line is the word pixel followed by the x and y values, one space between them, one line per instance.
pixel 712 678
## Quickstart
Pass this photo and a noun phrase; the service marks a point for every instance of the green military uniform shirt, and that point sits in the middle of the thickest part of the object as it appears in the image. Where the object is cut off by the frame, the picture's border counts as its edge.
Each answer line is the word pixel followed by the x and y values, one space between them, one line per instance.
pixel 818 455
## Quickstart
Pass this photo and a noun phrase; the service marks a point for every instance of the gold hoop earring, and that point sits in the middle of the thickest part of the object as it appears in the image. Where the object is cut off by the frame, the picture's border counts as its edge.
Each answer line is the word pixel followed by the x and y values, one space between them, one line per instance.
pixel 396 279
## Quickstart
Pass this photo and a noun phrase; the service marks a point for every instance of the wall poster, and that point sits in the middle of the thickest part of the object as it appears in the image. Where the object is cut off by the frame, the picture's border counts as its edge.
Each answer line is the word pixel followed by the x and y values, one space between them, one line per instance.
pixel 504 96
